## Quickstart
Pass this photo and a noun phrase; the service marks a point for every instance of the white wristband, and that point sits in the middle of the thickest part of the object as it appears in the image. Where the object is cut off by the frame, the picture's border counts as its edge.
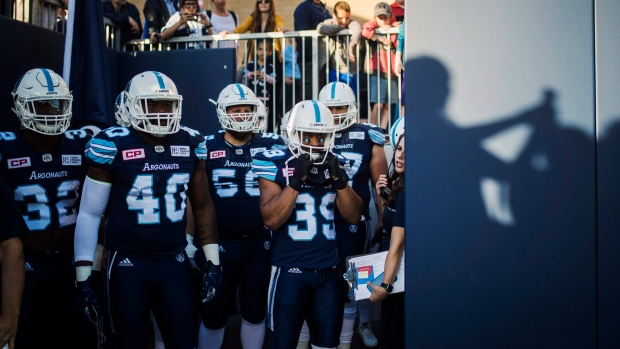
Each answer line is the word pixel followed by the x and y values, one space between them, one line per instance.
pixel 212 253
pixel 82 272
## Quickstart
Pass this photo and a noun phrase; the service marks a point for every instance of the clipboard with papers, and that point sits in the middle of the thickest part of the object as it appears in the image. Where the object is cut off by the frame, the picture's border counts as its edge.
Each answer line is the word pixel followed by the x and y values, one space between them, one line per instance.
pixel 369 267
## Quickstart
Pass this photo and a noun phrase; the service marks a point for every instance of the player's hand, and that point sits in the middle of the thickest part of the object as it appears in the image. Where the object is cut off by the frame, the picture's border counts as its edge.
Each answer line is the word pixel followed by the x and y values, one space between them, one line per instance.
pixel 302 167
pixel 87 303
pixel 211 282
pixel 382 182
pixel 334 170
pixel 8 329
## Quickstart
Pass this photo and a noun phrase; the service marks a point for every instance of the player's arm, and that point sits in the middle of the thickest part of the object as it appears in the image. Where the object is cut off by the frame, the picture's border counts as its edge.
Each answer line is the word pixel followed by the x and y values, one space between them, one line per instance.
pixel 12 260
pixel 95 194
pixel 378 166
pixel 395 253
pixel 204 213
pixel 276 204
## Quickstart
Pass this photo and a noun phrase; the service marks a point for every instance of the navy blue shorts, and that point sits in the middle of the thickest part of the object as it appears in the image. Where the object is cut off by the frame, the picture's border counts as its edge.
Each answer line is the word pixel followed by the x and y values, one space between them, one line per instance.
pixel 166 286
pixel 296 295
pixel 246 263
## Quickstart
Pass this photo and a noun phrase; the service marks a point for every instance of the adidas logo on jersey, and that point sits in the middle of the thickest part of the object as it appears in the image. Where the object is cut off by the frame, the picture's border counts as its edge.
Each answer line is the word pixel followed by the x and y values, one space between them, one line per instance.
pixel 221 249
pixel 28 267
pixel 294 270
pixel 125 263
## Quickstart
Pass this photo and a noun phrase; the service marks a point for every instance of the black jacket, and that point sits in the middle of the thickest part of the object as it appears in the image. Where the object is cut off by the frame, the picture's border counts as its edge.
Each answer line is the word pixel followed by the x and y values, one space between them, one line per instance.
pixel 121 19
pixel 156 14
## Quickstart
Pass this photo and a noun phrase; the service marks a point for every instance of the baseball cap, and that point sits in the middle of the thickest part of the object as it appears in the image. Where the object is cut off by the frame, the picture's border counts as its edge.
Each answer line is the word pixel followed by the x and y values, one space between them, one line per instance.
pixel 383 8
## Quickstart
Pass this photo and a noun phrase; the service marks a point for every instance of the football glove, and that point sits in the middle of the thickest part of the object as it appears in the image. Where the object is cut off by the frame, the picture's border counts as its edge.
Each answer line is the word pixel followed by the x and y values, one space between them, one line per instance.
pixel 211 282
pixel 302 166
pixel 334 170
pixel 87 303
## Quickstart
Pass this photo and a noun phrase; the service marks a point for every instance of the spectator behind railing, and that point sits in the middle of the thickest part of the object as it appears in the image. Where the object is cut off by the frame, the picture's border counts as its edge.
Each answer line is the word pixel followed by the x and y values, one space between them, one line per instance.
pixel 399 64
pixel 222 19
pixel 398 12
pixel 188 21
pixel 343 66
pixel 156 15
pixel 125 15
pixel 383 76
pixel 260 76
pixel 42 13
pixel 308 15
pixel 263 20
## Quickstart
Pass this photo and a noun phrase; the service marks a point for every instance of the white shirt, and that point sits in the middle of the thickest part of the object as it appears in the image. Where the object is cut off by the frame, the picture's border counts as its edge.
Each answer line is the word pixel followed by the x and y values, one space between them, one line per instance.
pixel 223 23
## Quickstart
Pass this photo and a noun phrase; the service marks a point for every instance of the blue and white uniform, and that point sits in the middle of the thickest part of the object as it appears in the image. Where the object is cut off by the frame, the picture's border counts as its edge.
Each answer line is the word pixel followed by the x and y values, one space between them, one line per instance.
pixel 46 188
pixel 306 281
pixel 356 144
pixel 245 242
pixel 145 233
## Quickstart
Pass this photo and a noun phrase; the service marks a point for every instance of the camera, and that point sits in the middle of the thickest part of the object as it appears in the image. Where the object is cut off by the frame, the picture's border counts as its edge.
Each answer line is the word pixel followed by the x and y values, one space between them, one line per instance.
pixel 194 18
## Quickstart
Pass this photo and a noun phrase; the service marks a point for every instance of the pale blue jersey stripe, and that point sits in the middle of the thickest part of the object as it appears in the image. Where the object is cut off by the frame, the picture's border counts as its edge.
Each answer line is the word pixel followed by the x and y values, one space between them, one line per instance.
pixel 377 136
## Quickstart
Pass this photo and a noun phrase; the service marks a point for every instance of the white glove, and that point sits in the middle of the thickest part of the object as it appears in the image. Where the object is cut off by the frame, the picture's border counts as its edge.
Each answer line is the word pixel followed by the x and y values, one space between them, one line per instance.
pixel 190 249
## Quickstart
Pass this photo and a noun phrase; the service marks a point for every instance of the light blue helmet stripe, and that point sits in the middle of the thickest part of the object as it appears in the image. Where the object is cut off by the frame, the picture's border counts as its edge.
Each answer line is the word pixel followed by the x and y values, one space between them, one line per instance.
pixel 333 90
pixel 160 80
pixel 48 78
pixel 317 112
pixel 241 93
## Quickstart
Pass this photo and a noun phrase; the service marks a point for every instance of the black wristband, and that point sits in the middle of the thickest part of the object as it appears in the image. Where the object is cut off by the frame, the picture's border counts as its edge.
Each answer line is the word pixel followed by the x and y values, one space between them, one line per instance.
pixel 209 26
pixel 294 184
pixel 387 287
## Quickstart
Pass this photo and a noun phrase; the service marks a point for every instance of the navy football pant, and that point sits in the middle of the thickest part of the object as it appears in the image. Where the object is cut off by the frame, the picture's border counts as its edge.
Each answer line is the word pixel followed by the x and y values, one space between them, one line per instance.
pixel 246 263
pixel 48 318
pixel 165 285
pixel 296 295
pixel 351 240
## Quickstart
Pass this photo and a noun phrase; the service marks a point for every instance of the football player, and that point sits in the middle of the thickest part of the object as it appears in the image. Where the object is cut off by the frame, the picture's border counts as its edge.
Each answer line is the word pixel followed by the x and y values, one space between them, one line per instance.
pixel 44 167
pixel 245 242
pixel 362 144
pixel 154 168
pixel 299 190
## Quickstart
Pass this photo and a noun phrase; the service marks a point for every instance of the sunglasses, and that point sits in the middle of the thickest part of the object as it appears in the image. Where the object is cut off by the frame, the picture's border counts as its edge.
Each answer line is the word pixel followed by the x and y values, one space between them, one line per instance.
pixel 264 1
pixel 190 5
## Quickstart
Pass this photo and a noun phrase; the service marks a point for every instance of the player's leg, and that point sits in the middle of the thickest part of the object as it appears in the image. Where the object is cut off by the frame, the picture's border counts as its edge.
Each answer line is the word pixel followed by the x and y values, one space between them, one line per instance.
pixel 325 317
pixel 174 302
pixel 215 314
pixel 253 287
pixel 29 322
pixel 128 297
pixel 289 292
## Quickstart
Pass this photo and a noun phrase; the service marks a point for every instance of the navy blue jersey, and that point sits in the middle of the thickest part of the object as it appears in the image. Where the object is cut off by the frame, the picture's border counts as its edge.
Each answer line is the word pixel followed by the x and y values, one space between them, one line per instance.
pixel 356 143
pixel 232 184
pixel 307 239
pixel 146 208
pixel 46 186
pixel 394 215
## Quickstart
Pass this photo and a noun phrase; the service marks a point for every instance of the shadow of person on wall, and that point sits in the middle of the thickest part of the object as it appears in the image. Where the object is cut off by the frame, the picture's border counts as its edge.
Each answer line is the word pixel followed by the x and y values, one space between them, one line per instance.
pixel 503 215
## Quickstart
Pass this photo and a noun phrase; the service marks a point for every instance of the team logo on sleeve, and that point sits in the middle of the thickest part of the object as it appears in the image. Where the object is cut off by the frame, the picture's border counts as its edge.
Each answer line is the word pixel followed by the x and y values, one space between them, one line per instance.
pixel 217 154
pixel 179 150
pixel 288 171
pixel 356 135
pixel 19 162
pixel 71 160
pixel 133 154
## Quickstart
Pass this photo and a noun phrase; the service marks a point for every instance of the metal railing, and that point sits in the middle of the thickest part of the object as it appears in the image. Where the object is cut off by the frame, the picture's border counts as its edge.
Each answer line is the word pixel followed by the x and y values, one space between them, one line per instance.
pixel 48 14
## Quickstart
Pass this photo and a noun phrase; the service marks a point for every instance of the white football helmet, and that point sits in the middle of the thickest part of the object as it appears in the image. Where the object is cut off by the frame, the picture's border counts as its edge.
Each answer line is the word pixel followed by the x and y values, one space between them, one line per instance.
pixel 261 115
pixel 238 94
pixel 337 94
pixel 283 126
pixel 398 128
pixel 310 117
pixel 119 111
pixel 152 86
pixel 43 102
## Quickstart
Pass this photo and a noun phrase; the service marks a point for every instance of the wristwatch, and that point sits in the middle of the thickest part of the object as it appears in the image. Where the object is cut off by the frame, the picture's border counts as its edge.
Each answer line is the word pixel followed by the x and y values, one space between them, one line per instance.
pixel 209 26
pixel 387 287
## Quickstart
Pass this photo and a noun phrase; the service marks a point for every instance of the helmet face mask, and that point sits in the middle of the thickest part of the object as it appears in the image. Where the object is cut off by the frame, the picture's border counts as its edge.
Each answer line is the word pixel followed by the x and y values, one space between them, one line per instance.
pixel 311 120
pixel 43 102
pixel 119 111
pixel 237 94
pixel 144 93
pixel 261 116
pixel 338 94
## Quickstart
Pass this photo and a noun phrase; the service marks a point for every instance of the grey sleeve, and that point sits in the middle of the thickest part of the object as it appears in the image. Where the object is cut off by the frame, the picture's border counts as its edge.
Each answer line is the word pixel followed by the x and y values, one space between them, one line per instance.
pixel 328 28
pixel 356 32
